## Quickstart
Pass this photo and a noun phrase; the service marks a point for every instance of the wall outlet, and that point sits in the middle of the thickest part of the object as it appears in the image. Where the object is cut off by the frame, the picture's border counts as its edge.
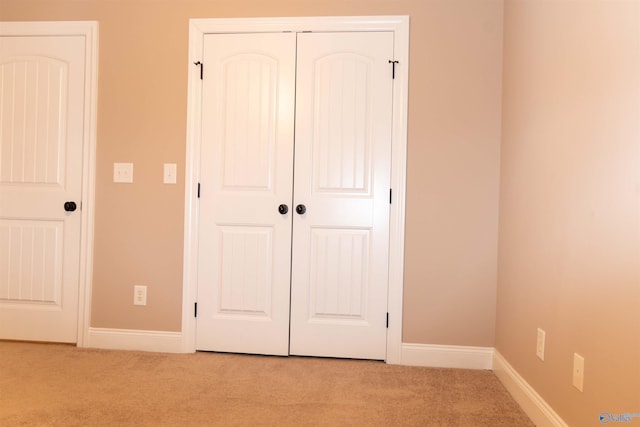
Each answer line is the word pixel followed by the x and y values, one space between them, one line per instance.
pixel 139 295
pixel 540 344
pixel 578 371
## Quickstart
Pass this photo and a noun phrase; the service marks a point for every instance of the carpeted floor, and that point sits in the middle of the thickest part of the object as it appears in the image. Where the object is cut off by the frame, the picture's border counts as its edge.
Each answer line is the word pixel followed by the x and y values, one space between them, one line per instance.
pixel 61 385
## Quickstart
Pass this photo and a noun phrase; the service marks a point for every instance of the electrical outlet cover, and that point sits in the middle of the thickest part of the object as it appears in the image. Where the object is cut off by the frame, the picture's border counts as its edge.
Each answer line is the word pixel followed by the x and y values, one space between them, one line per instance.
pixel 540 344
pixel 578 371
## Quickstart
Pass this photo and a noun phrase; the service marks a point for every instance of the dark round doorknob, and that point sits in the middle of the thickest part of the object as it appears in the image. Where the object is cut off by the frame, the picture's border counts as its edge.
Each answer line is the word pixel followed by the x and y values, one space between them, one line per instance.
pixel 283 209
pixel 301 209
pixel 70 206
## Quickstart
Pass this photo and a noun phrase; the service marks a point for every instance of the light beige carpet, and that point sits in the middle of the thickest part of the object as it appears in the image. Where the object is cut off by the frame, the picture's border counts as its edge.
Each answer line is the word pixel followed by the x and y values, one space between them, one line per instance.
pixel 61 385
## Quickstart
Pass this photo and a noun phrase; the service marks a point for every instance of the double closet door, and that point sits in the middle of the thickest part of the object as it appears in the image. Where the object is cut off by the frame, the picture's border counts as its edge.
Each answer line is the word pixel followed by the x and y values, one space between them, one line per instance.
pixel 294 194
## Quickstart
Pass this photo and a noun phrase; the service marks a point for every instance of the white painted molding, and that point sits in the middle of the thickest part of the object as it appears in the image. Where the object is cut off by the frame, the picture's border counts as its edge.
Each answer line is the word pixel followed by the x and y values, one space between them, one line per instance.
pixel 447 356
pixel 298 24
pixel 399 142
pixel 128 339
pixel 529 400
pixel 88 184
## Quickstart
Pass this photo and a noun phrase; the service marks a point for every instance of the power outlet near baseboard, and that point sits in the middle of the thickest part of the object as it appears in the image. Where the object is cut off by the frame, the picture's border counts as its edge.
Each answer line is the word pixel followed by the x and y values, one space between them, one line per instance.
pixel 540 344
pixel 578 371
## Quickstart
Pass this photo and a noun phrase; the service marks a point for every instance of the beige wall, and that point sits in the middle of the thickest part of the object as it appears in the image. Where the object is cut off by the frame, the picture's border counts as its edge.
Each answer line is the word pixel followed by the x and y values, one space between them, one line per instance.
pixel 569 258
pixel 454 130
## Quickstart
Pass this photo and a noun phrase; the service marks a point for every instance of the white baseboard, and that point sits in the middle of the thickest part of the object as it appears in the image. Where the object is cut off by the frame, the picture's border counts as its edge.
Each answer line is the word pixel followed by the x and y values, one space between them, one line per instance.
pixel 447 356
pixel 529 400
pixel 128 339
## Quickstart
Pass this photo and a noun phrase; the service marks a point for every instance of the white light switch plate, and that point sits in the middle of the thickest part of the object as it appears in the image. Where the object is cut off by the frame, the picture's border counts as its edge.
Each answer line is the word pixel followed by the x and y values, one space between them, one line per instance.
pixel 170 172
pixel 123 172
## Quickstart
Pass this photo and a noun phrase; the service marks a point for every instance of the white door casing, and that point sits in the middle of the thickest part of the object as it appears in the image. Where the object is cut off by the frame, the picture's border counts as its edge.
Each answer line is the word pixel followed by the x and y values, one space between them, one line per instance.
pixel 246 159
pixel 47 139
pixel 340 248
pixel 395 24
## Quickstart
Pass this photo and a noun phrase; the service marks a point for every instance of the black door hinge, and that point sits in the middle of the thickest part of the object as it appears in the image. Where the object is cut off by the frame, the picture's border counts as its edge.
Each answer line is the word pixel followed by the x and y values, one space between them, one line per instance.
pixel 195 309
pixel 198 190
pixel 201 65
pixel 390 193
pixel 387 320
pixel 393 69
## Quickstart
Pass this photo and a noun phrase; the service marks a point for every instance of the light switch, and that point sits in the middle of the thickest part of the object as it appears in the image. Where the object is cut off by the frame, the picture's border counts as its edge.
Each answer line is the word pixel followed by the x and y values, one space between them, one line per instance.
pixel 123 172
pixel 170 172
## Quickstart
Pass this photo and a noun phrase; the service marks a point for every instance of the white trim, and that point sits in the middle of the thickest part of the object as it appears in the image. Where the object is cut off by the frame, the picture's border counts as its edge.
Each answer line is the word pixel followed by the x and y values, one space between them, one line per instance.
pixel 529 400
pixel 400 26
pixel 398 184
pixel 447 356
pixel 298 24
pixel 89 30
pixel 129 339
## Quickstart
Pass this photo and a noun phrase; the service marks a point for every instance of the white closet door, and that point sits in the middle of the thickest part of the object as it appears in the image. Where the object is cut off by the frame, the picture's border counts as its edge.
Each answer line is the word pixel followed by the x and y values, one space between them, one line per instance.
pixel 342 176
pixel 245 174
pixel 41 136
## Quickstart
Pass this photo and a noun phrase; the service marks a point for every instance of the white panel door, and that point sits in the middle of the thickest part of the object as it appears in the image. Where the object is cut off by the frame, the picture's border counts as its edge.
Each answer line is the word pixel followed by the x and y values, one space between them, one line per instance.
pixel 41 136
pixel 342 176
pixel 245 175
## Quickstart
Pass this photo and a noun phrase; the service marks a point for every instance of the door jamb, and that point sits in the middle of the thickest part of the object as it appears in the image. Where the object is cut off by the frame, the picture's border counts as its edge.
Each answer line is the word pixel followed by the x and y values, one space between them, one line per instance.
pixel 88 30
pixel 399 25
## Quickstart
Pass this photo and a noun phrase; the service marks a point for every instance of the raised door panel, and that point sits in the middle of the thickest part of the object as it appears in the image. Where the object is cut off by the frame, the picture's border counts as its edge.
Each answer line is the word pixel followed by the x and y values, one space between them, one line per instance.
pixel 246 173
pixel 342 176
pixel 249 90
pixel 29 262
pixel 342 121
pixel 339 272
pixel 245 291
pixel 34 105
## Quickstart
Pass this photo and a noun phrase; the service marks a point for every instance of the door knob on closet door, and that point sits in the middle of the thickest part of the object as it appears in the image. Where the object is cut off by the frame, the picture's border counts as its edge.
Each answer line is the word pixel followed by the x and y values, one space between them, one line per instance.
pixel 70 206
pixel 283 209
pixel 301 209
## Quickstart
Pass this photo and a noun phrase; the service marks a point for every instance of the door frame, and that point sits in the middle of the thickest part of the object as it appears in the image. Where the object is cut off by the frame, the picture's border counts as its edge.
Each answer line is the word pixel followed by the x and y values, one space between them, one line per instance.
pixel 88 30
pixel 399 25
